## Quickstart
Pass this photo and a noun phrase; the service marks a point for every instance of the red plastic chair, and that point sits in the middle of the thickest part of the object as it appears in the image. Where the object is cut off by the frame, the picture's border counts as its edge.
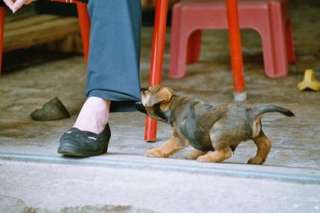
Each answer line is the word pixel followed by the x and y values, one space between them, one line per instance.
pixel 268 17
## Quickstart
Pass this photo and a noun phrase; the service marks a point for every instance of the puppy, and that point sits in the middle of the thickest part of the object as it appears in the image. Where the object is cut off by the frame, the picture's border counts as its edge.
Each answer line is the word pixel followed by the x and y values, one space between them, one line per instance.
pixel 214 131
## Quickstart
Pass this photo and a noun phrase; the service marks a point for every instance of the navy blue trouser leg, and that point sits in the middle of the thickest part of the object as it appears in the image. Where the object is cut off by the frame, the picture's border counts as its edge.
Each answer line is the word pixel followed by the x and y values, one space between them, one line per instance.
pixel 114 55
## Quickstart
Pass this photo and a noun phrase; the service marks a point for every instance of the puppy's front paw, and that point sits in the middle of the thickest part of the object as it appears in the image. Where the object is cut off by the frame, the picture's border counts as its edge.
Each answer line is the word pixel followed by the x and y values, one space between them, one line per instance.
pixel 155 153
pixel 256 161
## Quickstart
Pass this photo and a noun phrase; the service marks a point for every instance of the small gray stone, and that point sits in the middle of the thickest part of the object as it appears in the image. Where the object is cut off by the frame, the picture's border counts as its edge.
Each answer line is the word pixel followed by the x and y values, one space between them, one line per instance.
pixel 50 111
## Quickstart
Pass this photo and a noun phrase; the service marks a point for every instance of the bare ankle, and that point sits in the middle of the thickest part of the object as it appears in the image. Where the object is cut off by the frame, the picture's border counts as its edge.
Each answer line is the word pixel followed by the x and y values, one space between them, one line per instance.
pixel 94 115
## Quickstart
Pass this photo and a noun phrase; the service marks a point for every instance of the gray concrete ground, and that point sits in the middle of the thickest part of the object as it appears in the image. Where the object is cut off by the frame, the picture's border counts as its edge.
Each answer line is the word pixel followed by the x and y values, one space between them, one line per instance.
pixel 79 187
pixel 33 175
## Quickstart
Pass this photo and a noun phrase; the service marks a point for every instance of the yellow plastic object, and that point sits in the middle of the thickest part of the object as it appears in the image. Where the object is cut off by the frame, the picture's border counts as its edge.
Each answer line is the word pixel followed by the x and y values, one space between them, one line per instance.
pixel 309 81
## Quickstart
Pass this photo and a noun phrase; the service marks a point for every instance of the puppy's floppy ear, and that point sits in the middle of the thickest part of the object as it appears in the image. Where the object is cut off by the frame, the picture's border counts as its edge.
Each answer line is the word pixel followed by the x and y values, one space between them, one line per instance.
pixel 155 95
pixel 164 94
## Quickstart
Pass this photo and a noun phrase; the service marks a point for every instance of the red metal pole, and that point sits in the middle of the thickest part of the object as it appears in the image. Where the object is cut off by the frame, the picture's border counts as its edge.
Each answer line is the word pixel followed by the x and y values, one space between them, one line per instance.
pixel 235 49
pixel 2 18
pixel 84 22
pixel 158 45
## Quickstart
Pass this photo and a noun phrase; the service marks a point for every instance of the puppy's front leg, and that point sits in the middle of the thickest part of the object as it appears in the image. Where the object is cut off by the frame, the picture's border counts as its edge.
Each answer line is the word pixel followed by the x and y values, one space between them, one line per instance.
pixel 174 144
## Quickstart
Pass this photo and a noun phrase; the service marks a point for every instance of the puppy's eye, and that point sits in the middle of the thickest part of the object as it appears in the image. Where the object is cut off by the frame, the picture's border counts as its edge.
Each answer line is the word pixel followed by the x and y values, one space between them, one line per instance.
pixel 143 90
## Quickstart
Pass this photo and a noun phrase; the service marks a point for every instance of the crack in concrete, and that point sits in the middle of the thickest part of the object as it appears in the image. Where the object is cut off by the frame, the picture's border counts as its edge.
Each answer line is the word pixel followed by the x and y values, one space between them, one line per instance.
pixel 91 209
pixel 15 205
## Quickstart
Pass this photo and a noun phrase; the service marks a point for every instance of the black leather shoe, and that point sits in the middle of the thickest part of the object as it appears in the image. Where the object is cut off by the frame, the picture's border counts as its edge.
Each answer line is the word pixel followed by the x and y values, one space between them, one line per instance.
pixel 77 143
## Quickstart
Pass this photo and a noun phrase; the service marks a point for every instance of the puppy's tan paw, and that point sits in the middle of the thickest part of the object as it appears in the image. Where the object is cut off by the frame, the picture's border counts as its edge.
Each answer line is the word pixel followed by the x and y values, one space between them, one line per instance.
pixel 155 153
pixel 256 161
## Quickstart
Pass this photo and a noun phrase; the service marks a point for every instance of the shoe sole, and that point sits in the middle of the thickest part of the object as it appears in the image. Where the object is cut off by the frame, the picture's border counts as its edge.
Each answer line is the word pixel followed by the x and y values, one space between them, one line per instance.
pixel 71 151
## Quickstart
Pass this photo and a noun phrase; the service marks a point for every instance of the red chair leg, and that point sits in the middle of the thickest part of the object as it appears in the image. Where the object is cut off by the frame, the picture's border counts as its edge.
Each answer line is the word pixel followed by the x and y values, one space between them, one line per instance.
pixel 2 17
pixel 158 46
pixel 84 22
pixel 269 61
pixel 194 47
pixel 235 47
pixel 290 44
pixel 178 45
pixel 280 56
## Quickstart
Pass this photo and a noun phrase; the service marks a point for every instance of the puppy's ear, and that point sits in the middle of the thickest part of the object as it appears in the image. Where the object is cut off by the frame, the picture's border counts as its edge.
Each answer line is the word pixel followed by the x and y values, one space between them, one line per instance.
pixel 155 95
pixel 164 95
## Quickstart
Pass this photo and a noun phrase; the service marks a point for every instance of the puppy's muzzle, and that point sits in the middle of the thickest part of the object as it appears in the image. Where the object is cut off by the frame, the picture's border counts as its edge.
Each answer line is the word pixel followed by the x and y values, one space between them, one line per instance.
pixel 139 106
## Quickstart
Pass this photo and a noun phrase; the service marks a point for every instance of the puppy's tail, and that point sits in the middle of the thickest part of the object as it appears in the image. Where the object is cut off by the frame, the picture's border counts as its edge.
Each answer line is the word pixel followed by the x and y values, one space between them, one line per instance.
pixel 260 109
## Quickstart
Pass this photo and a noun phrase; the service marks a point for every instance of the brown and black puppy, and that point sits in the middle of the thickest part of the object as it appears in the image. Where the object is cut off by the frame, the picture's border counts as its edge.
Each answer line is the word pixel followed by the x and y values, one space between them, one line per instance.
pixel 214 132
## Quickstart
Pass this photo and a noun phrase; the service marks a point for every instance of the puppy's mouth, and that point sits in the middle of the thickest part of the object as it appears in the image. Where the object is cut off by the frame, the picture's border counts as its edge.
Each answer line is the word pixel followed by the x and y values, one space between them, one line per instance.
pixel 140 107
pixel 148 104
pixel 148 100
pixel 154 110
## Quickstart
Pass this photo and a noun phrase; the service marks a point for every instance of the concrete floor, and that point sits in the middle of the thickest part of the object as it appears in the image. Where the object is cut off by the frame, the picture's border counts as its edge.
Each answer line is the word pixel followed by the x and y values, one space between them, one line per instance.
pixel 294 156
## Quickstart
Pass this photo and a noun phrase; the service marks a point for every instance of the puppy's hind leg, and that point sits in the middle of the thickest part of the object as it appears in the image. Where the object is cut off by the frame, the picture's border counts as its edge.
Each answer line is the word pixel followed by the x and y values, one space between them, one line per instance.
pixel 216 156
pixel 263 148
pixel 173 145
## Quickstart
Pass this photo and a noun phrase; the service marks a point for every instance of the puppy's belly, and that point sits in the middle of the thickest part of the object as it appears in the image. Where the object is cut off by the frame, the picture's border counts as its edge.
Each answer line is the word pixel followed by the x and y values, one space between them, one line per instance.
pixel 228 133
pixel 198 139
pixel 202 145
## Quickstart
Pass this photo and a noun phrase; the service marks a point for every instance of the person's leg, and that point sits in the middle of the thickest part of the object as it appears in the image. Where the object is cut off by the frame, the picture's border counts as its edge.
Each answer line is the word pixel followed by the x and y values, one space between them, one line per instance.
pixel 113 65
pixel 115 52
pixel 113 69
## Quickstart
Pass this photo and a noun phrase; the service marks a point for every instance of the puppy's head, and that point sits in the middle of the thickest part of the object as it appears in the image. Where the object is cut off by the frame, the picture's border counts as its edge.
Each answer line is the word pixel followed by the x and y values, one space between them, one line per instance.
pixel 156 100
pixel 156 95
